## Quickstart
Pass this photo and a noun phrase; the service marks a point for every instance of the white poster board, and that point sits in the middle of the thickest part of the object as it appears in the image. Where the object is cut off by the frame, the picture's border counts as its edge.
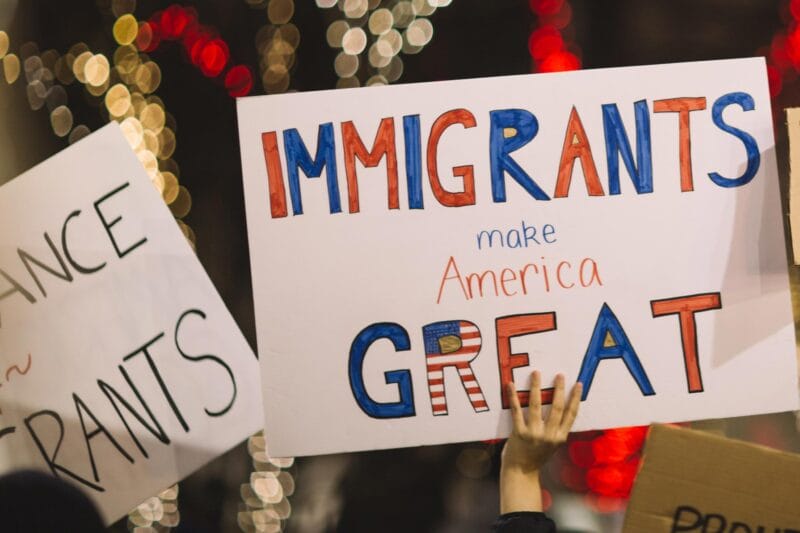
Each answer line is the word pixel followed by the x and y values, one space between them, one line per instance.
pixel 121 370
pixel 622 226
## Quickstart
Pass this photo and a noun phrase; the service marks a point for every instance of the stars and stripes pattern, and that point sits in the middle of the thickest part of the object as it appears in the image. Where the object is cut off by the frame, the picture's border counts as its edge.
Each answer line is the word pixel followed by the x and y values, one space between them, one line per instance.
pixel 452 344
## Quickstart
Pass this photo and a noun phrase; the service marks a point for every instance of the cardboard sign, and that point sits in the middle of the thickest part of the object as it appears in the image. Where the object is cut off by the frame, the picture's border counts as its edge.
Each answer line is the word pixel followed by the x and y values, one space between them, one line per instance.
pixel 121 370
pixel 793 127
pixel 695 481
pixel 413 247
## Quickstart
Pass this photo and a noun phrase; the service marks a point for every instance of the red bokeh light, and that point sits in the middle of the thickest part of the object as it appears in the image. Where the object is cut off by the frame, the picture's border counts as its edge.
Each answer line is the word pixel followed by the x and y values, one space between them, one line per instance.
pixel 549 45
pixel 604 462
pixel 148 37
pixel 239 81
pixel 573 477
pixel 794 9
pixel 778 52
pixel 609 449
pixel 203 47
pixel 560 62
pixel 581 453
pixel 559 20
pixel 793 48
pixel 192 34
pixel 213 57
pixel 547 500
pixel 195 43
pixel 544 41
pixel 546 7
pixel 174 21
pixel 614 480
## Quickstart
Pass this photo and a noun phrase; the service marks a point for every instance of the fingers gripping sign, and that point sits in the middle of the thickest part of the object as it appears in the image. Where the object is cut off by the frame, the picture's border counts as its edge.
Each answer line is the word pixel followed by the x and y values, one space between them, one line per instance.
pixel 533 441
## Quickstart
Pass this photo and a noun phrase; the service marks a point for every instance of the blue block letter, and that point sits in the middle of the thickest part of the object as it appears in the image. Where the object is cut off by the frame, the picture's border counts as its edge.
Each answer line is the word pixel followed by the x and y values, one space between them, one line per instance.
pixel 500 148
pixel 412 140
pixel 297 157
pixel 746 102
pixel 358 351
pixel 617 144
pixel 610 342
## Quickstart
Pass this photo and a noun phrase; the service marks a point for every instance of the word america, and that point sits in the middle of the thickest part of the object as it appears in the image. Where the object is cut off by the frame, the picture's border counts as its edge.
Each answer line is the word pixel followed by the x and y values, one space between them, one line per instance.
pixel 509 130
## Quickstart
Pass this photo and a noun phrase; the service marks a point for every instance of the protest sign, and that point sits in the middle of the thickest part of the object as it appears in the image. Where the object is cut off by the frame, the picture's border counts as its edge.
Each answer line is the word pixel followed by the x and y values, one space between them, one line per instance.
pixel 621 226
pixel 695 481
pixel 121 370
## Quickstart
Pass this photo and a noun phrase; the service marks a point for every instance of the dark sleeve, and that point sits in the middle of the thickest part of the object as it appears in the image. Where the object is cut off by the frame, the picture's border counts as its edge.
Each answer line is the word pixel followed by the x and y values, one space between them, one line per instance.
pixel 524 522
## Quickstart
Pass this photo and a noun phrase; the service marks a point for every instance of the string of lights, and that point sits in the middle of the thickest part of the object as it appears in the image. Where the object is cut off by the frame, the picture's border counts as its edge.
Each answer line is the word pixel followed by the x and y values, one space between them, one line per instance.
pixel 393 27
pixel 783 52
pixel 549 44
pixel 150 131
pixel 122 92
pixel 266 506
pixel 266 497
pixel 157 514
pixel 204 47
pixel 276 43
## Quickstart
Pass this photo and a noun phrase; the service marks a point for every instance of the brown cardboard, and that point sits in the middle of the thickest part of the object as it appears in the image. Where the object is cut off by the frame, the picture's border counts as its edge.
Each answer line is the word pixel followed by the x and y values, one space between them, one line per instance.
pixel 793 126
pixel 712 484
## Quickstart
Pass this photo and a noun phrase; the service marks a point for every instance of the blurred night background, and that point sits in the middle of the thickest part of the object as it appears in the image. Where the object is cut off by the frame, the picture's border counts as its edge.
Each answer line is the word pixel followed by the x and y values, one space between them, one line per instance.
pixel 170 74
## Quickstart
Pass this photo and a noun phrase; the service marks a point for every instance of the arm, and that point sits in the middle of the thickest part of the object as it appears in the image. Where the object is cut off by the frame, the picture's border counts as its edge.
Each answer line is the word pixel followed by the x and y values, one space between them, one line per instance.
pixel 532 442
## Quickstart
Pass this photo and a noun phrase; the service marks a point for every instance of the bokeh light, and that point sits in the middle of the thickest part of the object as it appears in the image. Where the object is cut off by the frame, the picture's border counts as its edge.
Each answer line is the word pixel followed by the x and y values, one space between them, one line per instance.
pixel 547 46
pixel 213 57
pixel 354 41
pixel 11 68
pixel 546 7
pixel 125 29
pixel 4 44
pixel 559 62
pixel 96 70
pixel 544 41
pixel 78 133
pixel 381 30
pixel 61 120
pixel 280 11
pixel 239 81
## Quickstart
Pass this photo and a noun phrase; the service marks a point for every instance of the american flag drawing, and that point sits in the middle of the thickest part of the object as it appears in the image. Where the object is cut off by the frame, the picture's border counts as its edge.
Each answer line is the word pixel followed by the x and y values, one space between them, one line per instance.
pixel 453 343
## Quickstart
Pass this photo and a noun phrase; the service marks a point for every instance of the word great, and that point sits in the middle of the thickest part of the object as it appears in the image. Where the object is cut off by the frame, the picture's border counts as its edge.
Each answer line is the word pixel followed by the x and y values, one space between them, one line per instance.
pixel 509 130
pixel 456 343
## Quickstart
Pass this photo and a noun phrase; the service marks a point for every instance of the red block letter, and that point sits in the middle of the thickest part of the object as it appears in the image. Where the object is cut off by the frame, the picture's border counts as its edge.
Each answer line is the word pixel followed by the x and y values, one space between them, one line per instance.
pixel 685 307
pixel 382 146
pixel 277 193
pixel 682 106
pixel 508 327
pixel 447 198
pixel 576 145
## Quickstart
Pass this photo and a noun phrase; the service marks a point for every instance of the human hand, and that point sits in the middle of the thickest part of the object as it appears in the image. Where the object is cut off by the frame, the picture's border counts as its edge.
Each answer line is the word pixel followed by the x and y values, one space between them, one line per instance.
pixel 532 442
